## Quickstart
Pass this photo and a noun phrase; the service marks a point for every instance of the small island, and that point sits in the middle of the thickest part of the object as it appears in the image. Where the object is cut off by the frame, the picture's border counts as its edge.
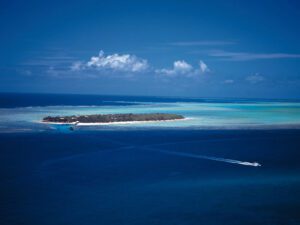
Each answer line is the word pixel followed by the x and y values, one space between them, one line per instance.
pixel 112 118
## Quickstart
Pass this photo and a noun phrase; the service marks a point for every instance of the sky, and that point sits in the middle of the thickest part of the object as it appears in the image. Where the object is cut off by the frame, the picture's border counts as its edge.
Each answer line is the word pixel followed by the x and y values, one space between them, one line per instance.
pixel 215 48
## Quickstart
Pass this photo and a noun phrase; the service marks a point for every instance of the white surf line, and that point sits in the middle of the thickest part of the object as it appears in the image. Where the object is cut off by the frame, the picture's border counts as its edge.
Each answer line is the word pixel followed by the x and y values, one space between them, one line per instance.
pixel 111 123
pixel 190 155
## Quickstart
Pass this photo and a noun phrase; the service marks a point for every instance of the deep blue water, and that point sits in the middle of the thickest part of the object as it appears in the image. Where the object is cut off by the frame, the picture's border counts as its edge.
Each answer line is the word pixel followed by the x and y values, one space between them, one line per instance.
pixel 11 100
pixel 120 177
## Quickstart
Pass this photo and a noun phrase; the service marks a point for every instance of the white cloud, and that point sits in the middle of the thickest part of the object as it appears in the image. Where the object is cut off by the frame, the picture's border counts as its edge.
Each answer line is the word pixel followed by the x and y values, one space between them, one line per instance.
pixel 130 64
pixel 77 66
pixel 203 67
pixel 179 67
pixel 116 62
pixel 256 78
pixel 182 67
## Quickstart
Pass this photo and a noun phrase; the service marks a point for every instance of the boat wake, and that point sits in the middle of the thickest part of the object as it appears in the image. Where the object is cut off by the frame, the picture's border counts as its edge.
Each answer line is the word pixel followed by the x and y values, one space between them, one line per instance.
pixel 190 155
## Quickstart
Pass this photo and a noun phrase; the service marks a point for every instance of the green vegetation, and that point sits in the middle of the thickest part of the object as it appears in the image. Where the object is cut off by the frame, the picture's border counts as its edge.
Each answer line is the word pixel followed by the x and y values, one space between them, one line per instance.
pixel 108 118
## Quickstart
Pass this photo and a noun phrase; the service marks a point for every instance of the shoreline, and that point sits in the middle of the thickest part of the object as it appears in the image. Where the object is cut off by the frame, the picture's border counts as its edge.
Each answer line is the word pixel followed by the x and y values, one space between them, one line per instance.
pixel 284 126
pixel 112 123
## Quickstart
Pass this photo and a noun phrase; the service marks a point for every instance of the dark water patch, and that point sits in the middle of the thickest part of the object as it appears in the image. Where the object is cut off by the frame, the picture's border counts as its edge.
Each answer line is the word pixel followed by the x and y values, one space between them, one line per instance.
pixel 107 177
pixel 12 100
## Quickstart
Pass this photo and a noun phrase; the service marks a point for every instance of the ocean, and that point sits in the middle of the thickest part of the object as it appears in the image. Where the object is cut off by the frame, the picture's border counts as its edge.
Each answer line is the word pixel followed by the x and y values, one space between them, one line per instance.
pixel 195 171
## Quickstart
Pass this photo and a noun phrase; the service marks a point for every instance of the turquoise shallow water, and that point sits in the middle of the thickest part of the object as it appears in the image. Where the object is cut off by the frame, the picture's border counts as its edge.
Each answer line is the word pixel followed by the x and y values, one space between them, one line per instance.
pixel 198 115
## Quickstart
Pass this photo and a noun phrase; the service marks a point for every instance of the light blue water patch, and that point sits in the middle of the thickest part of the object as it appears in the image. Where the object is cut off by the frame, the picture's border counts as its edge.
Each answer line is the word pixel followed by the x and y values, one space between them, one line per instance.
pixel 197 115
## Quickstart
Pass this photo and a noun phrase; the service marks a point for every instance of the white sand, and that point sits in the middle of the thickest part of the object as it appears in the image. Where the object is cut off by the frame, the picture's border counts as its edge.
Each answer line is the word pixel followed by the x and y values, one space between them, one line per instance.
pixel 115 123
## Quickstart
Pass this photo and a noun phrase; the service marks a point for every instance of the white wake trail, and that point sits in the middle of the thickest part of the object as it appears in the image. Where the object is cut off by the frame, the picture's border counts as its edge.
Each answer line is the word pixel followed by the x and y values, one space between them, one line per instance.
pixel 190 155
